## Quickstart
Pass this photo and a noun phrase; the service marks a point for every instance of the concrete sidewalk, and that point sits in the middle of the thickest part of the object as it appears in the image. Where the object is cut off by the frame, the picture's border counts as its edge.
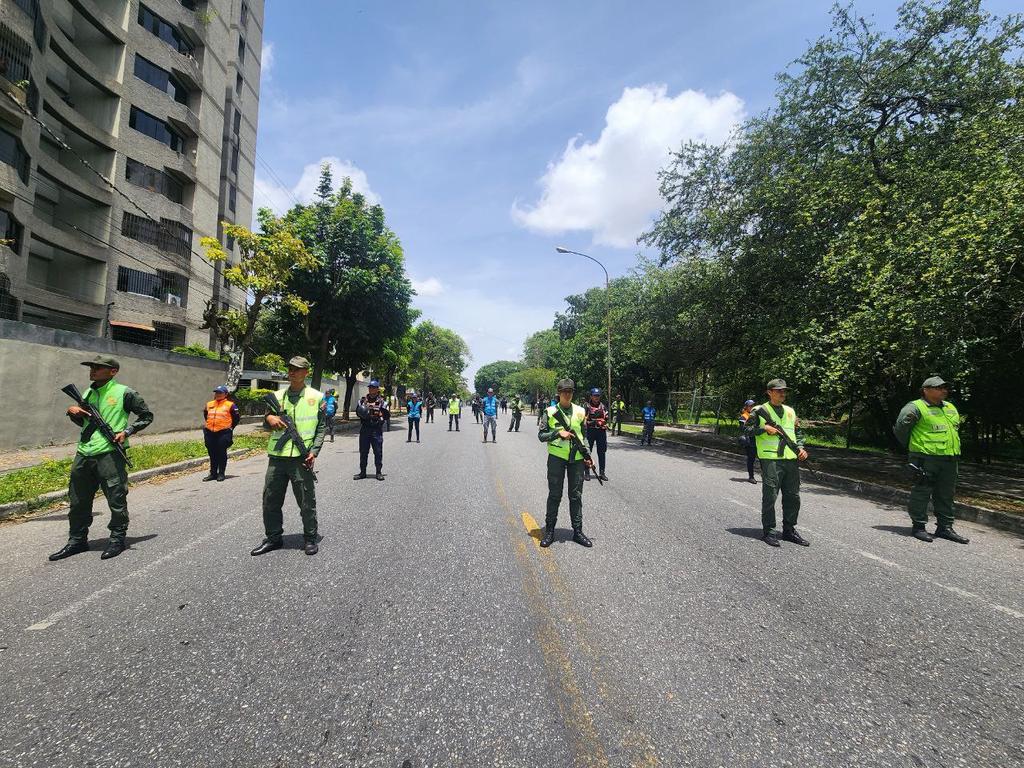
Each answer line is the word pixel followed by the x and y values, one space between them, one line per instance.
pixel 1001 485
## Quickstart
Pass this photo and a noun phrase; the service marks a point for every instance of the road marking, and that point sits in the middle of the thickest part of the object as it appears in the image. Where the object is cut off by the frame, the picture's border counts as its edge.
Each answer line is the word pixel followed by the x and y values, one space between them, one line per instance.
pixel 532 528
pixel 973 596
pixel 881 560
pixel 113 586
pixel 742 504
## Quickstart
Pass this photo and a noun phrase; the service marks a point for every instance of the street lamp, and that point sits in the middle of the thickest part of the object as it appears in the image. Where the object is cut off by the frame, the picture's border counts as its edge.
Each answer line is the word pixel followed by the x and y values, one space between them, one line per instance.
pixel 607 324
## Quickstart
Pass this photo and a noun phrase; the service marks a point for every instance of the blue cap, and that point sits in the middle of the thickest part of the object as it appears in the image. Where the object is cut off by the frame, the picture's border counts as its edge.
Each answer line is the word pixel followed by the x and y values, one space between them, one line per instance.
pixel 374 383
pixel 749 402
pixel 595 391
pixel 222 389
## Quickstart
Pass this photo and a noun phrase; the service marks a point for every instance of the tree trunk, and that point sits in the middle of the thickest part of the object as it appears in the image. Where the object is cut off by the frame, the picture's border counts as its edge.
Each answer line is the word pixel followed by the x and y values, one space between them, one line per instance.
pixel 350 385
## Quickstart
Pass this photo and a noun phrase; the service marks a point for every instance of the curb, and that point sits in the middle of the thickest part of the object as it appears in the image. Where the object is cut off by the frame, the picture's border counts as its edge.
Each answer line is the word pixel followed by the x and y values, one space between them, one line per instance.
pixel 992 518
pixel 16 507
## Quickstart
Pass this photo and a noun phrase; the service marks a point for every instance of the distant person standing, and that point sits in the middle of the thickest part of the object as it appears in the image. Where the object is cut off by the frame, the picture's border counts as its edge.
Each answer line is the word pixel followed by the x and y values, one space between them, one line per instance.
pixel 431 404
pixel 98 465
pixel 413 407
pixel 220 417
pixel 517 413
pixel 747 441
pixel 373 412
pixel 504 405
pixel 489 406
pixel 454 411
pixel 330 409
pixel 618 414
pixel 597 430
pixel 780 465
pixel 541 403
pixel 649 414
pixel 929 428
pixel 476 404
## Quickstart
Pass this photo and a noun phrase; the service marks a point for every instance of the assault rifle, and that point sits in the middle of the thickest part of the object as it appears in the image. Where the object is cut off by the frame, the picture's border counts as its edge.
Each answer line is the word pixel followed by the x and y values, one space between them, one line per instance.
pixel 290 431
pixel 96 422
pixel 785 441
pixel 575 439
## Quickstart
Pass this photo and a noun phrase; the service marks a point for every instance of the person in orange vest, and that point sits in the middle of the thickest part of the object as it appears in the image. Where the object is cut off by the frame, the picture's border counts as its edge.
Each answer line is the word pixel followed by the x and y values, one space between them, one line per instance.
pixel 221 417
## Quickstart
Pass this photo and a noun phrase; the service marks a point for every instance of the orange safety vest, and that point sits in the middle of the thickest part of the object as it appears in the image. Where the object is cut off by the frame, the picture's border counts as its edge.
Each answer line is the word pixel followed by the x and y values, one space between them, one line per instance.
pixel 218 415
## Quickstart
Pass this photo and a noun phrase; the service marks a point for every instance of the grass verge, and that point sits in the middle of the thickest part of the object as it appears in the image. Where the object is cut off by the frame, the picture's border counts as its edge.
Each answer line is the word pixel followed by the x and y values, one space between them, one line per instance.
pixel 31 482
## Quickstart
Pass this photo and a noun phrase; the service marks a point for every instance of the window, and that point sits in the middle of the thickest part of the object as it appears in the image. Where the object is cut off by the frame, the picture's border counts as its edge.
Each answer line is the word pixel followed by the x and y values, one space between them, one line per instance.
pixel 158 286
pixel 238 121
pixel 164 30
pixel 234 159
pixel 241 51
pixel 238 84
pixel 232 197
pixel 143 176
pixel 10 231
pixel 243 20
pixel 15 56
pixel 154 127
pixel 160 79
pixel 230 245
pixel 13 154
pixel 167 235
pixel 168 336
pixel 190 4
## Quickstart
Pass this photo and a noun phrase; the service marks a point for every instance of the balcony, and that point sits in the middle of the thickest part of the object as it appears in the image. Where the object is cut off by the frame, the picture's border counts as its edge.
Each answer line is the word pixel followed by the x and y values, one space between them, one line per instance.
pixel 80 63
pixel 64 177
pixel 67 113
pixel 111 27
pixel 67 239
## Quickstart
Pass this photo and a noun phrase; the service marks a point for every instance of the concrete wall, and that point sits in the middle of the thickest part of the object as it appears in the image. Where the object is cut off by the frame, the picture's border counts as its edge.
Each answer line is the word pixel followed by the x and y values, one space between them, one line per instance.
pixel 35 362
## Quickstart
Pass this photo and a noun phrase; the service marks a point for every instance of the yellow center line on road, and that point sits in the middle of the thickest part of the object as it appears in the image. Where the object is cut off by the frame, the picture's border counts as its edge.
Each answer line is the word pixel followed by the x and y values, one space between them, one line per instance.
pixel 538 590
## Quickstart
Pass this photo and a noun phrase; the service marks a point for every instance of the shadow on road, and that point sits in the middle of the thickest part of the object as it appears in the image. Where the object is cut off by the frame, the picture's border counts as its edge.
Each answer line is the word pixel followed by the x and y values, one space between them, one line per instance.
pixel 898 530
pixel 131 541
pixel 296 541
pixel 749 533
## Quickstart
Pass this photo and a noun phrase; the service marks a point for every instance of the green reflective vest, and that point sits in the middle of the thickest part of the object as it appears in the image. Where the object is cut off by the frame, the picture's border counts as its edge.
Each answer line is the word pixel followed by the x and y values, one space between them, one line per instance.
pixel 768 445
pixel 937 432
pixel 109 401
pixel 303 414
pixel 454 406
pixel 560 446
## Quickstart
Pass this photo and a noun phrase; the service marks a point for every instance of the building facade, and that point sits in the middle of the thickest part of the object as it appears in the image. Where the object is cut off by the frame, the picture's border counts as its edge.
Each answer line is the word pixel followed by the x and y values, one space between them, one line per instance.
pixel 127 133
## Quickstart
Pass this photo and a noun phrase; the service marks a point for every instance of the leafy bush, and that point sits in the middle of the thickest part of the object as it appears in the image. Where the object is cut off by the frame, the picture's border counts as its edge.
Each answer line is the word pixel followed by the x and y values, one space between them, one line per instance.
pixel 269 362
pixel 198 350
pixel 251 395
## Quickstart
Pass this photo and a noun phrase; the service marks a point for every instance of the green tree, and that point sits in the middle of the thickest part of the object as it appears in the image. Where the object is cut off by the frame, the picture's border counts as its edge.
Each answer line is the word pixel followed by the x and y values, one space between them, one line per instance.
pixel 437 359
pixel 495 375
pixel 266 263
pixel 542 349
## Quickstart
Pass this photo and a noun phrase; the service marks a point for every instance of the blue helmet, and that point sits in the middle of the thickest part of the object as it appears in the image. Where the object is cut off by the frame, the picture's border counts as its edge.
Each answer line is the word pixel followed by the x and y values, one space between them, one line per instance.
pixel 221 389
pixel 374 383
pixel 595 391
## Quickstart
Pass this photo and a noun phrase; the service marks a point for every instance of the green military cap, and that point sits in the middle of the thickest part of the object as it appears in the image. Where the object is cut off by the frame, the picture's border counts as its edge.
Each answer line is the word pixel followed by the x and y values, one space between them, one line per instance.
pixel 566 385
pixel 934 381
pixel 298 362
pixel 777 384
pixel 104 362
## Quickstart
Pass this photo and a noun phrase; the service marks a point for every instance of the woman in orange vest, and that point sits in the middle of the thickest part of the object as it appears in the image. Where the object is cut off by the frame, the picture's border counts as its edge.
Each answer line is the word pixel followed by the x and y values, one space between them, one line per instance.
pixel 221 417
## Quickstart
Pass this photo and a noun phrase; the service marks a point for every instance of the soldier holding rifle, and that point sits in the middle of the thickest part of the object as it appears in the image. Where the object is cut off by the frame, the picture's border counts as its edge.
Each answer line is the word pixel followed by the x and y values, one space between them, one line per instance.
pixel 780 448
pixel 101 461
pixel 568 456
pixel 297 425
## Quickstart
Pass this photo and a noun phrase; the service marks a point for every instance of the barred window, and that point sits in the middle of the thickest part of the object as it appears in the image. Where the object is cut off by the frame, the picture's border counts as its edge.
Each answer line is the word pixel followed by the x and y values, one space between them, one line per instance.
pixel 167 235
pixel 10 230
pixel 155 128
pixel 15 55
pixel 155 181
pixel 13 154
pixel 164 30
pixel 168 336
pixel 157 286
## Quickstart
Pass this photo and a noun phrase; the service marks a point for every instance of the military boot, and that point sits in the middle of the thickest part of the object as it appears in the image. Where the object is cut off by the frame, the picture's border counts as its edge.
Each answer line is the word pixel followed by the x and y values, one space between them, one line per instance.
pixel 946 532
pixel 69 549
pixel 581 538
pixel 114 548
pixel 549 537
pixel 921 534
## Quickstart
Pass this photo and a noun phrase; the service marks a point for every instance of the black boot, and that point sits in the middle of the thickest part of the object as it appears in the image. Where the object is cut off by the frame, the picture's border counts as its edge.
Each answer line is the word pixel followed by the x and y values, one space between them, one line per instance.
pixel 921 534
pixel 360 476
pixel 604 477
pixel 311 547
pixel 771 538
pixel 549 537
pixel 380 475
pixel 268 545
pixel 946 532
pixel 220 478
pixel 114 548
pixel 790 535
pixel 69 549
pixel 581 538
pixel 209 477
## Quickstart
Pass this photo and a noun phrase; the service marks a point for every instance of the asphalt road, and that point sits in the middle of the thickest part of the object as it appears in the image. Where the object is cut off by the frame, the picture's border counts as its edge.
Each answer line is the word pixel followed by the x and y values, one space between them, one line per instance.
pixel 432 631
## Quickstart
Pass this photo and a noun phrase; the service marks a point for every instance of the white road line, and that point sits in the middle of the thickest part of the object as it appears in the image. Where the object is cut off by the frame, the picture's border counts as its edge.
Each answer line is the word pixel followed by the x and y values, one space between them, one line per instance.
pixel 972 596
pixel 881 560
pixel 75 607
pixel 742 504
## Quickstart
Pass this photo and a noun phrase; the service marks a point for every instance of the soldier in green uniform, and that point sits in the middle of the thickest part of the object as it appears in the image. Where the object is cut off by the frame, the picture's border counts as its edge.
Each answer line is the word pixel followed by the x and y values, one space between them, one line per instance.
pixel 930 430
pixel 302 406
pixel 780 470
pixel 97 465
pixel 517 413
pixel 564 460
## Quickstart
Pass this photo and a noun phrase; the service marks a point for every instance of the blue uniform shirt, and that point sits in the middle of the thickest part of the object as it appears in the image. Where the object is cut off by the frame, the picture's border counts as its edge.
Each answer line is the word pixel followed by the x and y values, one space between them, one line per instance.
pixel 414 408
pixel 649 413
pixel 491 406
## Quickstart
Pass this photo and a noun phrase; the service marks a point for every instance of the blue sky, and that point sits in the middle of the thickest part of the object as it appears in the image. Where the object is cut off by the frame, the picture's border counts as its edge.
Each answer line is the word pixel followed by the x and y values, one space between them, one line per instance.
pixel 491 132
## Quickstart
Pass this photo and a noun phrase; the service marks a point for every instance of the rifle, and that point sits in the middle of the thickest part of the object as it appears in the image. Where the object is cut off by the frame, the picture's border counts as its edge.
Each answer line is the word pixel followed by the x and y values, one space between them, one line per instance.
pixel 785 441
pixel 96 422
pixel 575 439
pixel 290 431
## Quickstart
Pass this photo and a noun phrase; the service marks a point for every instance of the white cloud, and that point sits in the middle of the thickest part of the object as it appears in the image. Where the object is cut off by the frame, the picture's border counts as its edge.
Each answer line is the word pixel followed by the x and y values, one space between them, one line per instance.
pixel 279 198
pixel 610 186
pixel 429 287
pixel 266 59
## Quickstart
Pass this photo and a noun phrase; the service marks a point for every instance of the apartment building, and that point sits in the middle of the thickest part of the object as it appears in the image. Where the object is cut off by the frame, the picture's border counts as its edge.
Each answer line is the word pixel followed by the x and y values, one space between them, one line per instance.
pixel 127 133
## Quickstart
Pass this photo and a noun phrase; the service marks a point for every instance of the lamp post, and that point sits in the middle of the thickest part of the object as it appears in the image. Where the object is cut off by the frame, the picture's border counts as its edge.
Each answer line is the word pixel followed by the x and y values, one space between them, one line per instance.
pixel 607 324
